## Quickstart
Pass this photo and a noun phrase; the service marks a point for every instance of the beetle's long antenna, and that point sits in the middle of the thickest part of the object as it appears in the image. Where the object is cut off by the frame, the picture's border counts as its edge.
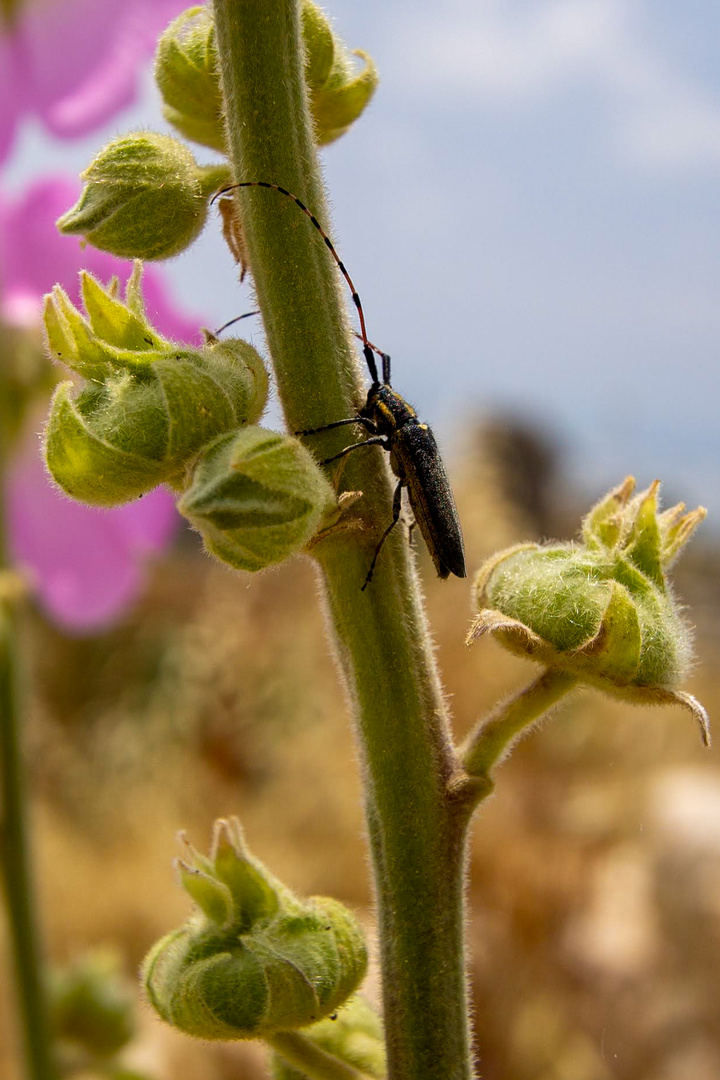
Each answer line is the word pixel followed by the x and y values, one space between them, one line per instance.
pixel 367 347
pixel 383 356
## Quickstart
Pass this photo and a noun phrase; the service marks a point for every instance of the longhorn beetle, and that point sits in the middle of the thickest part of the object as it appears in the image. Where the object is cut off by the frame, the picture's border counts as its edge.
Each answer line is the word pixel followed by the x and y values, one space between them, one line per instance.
pixel 393 425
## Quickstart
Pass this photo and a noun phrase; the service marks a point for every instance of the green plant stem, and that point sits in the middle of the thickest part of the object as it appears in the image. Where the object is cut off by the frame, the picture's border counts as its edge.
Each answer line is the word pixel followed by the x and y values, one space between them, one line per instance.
pixel 14 847
pixel 310 1059
pixel 494 736
pixel 380 636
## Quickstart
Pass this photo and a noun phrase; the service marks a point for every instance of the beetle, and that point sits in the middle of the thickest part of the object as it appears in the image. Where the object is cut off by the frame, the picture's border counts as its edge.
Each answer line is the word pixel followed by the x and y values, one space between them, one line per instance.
pixel 394 425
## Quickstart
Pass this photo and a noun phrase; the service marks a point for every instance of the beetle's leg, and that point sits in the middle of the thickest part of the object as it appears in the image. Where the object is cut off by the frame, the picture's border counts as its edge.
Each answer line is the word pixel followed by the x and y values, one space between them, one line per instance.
pixel 366 423
pixel 397 502
pixel 377 440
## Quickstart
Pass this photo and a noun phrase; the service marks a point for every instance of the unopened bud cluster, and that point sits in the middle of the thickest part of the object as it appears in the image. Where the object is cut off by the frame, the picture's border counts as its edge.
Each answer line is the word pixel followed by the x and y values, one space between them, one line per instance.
pixel 148 405
pixel 145 195
pixel 603 609
pixel 252 959
pixel 153 412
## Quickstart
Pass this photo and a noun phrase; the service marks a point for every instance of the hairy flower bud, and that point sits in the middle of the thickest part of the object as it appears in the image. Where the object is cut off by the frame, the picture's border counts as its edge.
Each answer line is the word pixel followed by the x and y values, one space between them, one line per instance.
pixel 256 497
pixel 602 610
pixel 144 197
pixel 253 959
pixel 151 404
pixel 92 1004
pixel 186 72
pixel 338 96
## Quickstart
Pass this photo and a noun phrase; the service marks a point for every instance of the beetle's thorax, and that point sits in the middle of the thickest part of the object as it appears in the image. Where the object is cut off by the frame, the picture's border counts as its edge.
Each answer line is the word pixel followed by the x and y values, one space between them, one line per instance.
pixel 387 409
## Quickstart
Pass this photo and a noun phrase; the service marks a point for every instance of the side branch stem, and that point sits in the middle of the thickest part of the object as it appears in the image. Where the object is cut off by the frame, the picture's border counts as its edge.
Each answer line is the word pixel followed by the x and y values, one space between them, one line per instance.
pixel 312 1061
pixel 495 734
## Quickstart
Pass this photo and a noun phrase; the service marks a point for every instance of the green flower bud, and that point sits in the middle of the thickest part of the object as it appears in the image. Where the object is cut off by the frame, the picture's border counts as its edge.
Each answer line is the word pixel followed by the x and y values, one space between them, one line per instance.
pixel 151 405
pixel 145 197
pixel 354 1035
pixel 601 610
pixel 92 1004
pixel 253 959
pixel 257 497
pixel 338 95
pixel 186 72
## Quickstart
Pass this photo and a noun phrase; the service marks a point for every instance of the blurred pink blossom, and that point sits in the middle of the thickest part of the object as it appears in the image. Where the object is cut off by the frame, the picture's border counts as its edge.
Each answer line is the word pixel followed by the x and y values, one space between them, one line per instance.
pixel 74 63
pixel 85 564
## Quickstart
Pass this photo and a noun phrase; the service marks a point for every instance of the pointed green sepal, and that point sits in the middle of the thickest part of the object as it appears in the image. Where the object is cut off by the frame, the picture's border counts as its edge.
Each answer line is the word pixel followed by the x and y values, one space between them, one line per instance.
pixel 145 197
pixel 603 525
pixel 277 963
pixel 69 337
pixel 113 321
pixel 254 895
pixel 643 542
pixel 212 896
pixel 256 497
pixel 676 529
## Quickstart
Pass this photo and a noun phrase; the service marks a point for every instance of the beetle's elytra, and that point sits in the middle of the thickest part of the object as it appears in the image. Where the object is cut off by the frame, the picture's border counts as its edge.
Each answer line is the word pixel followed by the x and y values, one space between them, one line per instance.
pixel 393 424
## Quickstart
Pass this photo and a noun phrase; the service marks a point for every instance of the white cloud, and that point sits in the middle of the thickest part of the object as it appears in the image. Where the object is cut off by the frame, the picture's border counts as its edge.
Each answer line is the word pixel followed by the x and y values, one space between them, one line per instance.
pixel 506 53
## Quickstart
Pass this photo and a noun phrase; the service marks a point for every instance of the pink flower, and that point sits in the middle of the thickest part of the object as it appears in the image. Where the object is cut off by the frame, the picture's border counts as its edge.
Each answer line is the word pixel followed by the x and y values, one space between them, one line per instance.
pixel 85 564
pixel 74 63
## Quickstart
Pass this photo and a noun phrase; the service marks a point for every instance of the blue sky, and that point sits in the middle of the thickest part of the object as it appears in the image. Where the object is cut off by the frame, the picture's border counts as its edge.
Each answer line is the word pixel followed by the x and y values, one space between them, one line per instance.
pixel 530 211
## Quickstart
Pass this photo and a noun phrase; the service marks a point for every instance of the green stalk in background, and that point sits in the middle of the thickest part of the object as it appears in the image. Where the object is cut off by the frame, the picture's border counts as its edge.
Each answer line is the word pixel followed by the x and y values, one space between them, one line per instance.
pixel 416 826
pixel 14 842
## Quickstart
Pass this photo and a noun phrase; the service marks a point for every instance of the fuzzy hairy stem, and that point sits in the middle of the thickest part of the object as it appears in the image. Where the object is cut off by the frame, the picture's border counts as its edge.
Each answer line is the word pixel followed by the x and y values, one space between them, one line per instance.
pixel 313 1062
pixel 15 868
pixel 495 734
pixel 380 635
